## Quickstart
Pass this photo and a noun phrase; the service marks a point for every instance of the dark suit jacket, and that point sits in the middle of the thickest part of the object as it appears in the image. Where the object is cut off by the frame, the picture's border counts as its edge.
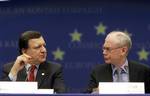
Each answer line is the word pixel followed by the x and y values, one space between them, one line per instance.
pixel 103 73
pixel 52 79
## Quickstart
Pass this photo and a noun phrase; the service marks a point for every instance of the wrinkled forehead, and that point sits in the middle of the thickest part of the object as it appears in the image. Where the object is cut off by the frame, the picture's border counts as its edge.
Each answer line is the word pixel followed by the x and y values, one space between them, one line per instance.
pixel 36 41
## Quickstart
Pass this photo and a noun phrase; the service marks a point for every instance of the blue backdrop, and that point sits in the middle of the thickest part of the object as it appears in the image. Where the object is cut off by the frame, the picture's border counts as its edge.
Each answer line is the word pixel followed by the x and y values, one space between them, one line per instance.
pixel 74 31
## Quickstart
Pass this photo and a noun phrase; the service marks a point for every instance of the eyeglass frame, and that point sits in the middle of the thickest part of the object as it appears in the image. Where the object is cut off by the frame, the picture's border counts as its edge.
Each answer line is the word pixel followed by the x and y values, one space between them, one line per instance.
pixel 109 49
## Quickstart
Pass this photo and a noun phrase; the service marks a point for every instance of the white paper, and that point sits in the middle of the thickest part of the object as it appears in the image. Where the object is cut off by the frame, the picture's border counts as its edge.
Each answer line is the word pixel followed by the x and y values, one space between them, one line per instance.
pixel 7 87
pixel 121 88
pixel 19 86
pixel 44 91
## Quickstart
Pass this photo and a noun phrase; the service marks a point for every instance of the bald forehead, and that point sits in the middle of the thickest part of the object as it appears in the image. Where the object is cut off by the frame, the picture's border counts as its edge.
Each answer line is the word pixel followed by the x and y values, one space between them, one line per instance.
pixel 112 37
pixel 116 37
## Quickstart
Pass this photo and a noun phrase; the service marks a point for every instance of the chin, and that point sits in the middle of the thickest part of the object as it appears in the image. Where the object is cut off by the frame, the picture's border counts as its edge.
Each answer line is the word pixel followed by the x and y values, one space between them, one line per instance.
pixel 43 60
pixel 107 62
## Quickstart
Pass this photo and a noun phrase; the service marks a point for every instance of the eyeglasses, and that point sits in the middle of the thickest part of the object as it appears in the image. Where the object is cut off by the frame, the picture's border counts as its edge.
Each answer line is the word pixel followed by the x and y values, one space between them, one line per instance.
pixel 108 49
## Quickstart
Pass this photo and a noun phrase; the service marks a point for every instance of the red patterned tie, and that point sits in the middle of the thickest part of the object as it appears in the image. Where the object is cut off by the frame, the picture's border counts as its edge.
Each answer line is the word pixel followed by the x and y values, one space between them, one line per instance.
pixel 31 73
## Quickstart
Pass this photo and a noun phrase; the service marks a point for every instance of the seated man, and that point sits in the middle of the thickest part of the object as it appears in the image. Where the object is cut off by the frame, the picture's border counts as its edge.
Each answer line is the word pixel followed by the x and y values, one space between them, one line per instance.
pixel 115 50
pixel 31 64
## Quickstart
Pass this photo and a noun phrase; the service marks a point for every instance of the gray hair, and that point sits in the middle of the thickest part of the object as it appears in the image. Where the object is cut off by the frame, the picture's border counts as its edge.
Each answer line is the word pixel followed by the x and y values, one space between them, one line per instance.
pixel 122 39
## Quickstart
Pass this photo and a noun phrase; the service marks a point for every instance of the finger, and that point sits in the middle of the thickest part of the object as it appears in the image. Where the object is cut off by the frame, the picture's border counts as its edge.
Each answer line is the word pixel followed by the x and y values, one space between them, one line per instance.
pixel 24 60
pixel 27 56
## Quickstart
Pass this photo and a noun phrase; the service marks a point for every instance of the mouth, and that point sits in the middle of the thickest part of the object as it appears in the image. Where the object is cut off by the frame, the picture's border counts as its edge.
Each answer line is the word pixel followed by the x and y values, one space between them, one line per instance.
pixel 105 57
pixel 43 56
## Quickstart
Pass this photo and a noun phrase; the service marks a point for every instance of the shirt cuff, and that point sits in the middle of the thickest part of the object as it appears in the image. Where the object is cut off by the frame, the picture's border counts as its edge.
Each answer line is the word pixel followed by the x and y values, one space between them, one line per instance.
pixel 11 77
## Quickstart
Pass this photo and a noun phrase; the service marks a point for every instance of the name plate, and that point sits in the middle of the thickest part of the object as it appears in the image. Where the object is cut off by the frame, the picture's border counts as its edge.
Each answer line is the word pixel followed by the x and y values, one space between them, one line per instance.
pixel 121 88
pixel 7 87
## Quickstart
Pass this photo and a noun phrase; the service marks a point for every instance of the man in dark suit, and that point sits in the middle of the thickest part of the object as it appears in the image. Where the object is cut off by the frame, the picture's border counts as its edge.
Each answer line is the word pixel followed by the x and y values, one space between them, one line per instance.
pixel 31 64
pixel 117 68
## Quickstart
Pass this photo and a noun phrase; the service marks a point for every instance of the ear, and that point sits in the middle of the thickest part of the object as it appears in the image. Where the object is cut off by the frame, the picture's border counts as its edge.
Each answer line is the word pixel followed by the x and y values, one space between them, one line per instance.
pixel 124 50
pixel 23 50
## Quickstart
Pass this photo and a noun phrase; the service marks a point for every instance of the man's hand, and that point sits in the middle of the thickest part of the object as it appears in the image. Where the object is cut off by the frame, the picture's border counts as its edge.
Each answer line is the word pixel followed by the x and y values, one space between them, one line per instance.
pixel 20 63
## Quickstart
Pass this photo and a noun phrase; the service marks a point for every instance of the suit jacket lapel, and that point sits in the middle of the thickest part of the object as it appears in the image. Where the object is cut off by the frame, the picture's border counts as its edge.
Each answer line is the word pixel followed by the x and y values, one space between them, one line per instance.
pixel 41 74
pixel 105 73
pixel 109 73
pixel 132 77
pixel 22 75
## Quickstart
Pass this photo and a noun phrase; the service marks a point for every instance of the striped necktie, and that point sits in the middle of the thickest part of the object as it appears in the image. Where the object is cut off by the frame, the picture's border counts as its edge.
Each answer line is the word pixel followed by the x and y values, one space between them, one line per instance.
pixel 118 73
pixel 31 76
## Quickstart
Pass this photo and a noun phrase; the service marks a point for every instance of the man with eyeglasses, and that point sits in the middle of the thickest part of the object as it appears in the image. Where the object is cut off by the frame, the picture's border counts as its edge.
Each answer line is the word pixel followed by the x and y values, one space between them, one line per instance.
pixel 117 68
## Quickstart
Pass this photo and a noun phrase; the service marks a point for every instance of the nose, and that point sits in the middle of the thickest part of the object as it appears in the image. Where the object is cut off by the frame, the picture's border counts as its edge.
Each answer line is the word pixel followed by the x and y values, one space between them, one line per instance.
pixel 104 52
pixel 43 49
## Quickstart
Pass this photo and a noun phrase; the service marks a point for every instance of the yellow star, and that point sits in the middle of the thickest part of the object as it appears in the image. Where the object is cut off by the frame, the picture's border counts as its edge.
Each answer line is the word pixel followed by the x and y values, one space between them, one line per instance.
pixel 58 54
pixel 100 29
pixel 143 55
pixel 76 36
